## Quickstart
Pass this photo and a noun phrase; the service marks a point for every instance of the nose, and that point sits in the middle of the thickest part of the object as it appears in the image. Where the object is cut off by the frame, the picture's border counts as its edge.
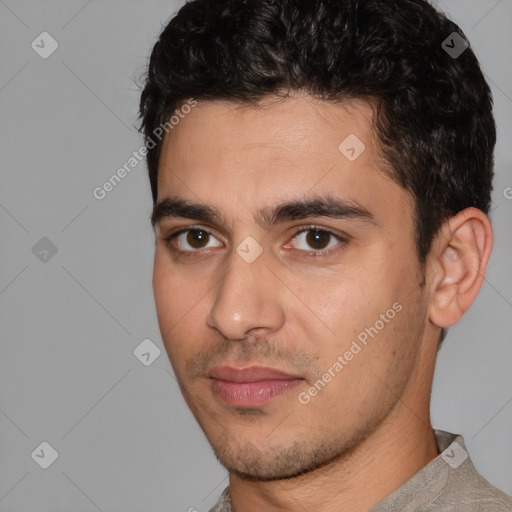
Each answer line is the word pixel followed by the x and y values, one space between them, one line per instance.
pixel 247 301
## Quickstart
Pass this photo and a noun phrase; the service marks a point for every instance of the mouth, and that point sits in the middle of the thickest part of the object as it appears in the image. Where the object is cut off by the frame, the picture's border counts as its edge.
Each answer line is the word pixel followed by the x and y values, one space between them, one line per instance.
pixel 250 387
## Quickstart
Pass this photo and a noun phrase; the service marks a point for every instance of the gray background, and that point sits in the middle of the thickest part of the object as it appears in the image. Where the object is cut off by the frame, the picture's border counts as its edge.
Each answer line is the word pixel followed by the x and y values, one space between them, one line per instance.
pixel 69 325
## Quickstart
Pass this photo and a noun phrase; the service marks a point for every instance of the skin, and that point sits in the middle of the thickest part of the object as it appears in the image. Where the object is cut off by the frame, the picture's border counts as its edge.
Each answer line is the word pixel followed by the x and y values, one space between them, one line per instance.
pixel 297 312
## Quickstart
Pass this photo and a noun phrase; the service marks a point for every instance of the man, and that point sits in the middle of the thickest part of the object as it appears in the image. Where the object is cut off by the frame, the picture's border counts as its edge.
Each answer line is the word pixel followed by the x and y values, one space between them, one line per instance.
pixel 320 200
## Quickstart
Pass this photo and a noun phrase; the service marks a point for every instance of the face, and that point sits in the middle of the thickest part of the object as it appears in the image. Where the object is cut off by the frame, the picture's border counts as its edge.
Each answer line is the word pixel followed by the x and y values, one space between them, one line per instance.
pixel 286 280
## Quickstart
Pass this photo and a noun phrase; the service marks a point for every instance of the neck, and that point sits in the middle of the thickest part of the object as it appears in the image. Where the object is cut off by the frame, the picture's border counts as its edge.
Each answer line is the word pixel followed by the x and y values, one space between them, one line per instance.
pixel 357 481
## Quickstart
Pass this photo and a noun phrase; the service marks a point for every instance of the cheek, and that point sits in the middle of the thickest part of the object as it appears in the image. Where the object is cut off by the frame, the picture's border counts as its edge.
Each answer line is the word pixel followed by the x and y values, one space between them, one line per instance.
pixel 350 305
pixel 177 302
pixel 163 283
pixel 346 301
pixel 328 315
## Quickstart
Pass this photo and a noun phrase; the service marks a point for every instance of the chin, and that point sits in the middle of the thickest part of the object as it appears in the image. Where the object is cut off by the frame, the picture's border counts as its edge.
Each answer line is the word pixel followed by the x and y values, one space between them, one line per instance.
pixel 251 463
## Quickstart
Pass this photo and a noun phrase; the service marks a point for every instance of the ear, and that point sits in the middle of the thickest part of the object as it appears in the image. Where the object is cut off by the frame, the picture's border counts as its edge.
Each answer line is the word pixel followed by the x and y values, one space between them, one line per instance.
pixel 458 262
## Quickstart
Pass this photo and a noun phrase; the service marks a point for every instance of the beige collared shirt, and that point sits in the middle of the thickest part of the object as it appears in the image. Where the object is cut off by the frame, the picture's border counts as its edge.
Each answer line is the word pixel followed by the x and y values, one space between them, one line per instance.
pixel 448 483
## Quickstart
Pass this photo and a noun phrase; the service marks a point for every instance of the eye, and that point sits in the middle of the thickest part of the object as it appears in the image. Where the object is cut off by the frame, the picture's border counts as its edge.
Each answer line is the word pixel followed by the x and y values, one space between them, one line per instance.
pixel 314 239
pixel 193 239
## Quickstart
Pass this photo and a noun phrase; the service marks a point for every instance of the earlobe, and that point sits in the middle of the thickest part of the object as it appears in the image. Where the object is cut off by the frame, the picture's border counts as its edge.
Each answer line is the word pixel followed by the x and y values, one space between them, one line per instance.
pixel 461 252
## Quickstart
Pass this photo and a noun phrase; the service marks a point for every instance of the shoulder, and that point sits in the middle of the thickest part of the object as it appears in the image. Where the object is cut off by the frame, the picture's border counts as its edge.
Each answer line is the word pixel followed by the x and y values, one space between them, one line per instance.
pixel 466 489
pixel 450 483
pixel 479 494
pixel 224 503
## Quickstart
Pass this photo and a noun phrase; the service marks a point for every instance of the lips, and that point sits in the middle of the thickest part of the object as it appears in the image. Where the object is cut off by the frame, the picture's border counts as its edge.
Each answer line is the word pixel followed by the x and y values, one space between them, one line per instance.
pixel 250 387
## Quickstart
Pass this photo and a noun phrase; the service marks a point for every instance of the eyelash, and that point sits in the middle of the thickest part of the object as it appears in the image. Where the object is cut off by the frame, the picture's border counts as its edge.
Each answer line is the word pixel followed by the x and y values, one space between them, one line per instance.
pixel 320 253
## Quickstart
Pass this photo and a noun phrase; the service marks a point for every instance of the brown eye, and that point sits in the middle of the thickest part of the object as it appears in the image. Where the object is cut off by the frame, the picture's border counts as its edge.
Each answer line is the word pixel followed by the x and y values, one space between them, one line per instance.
pixel 192 240
pixel 315 239
pixel 197 238
pixel 318 239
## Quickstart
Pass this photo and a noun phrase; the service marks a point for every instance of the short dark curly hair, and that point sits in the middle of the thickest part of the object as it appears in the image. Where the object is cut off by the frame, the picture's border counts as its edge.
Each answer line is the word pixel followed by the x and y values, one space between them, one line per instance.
pixel 433 111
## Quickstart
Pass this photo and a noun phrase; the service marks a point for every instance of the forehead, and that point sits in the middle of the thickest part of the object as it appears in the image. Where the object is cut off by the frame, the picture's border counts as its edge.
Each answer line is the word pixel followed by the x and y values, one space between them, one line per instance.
pixel 286 129
pixel 240 156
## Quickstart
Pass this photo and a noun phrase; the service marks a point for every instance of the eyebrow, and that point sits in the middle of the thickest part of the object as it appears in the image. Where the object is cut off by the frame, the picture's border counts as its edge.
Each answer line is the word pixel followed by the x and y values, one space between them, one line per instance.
pixel 315 206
